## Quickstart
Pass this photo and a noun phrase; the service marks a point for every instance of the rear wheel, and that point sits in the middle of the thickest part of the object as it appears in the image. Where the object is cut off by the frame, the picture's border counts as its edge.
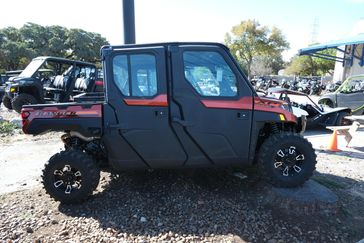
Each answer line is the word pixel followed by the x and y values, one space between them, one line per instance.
pixel 23 99
pixel 70 176
pixel 287 159
pixel 7 102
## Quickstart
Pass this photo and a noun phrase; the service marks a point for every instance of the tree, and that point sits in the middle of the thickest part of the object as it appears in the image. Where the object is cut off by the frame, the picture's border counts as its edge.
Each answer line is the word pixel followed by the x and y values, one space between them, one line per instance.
pixel 13 51
pixel 19 46
pixel 259 67
pixel 301 65
pixel 311 66
pixel 264 65
pixel 45 40
pixel 90 48
pixel 248 40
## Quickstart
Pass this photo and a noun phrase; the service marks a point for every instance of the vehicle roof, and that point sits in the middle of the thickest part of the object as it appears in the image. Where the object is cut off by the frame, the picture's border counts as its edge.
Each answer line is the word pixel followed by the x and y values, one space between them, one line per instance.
pixel 14 72
pixel 165 44
pixel 64 60
pixel 356 76
pixel 284 90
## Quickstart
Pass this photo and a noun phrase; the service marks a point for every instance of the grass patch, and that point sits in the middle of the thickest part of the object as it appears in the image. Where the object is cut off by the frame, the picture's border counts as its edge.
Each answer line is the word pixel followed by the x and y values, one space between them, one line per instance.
pixel 7 127
pixel 328 183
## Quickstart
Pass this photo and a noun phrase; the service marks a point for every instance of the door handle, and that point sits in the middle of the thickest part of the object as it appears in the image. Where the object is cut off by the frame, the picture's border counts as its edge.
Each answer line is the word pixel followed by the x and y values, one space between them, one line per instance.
pixel 242 115
pixel 160 113
pixel 182 122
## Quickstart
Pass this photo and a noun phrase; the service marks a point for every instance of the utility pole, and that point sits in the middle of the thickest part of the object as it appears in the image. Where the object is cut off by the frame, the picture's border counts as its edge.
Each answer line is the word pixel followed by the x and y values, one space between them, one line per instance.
pixel 128 21
pixel 315 30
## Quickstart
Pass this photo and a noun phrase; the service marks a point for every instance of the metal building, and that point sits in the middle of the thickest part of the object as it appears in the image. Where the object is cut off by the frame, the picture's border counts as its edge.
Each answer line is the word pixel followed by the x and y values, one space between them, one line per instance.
pixel 350 54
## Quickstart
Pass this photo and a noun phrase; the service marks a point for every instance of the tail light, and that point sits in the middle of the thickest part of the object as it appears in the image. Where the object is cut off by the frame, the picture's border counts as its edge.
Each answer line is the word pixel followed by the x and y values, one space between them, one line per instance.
pixel 25 115
pixel 99 83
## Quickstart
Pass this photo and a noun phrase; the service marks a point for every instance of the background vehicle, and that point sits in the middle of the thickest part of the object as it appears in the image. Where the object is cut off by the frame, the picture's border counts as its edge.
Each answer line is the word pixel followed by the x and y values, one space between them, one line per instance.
pixel 3 79
pixel 50 79
pixel 349 94
pixel 300 114
pixel 317 115
pixel 264 83
pixel 8 74
pixel 158 113
pixel 332 87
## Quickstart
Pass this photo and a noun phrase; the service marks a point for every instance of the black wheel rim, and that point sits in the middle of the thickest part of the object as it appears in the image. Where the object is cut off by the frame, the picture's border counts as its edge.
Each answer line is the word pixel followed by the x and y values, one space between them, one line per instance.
pixel 288 161
pixel 67 179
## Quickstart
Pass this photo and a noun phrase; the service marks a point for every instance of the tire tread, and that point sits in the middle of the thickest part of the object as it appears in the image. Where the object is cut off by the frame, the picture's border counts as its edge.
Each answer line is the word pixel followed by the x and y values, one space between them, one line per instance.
pixel 265 156
pixel 80 157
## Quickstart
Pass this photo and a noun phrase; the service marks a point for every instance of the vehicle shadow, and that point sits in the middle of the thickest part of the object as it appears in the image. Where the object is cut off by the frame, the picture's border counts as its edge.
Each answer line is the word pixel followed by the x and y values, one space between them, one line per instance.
pixel 197 203
pixel 351 198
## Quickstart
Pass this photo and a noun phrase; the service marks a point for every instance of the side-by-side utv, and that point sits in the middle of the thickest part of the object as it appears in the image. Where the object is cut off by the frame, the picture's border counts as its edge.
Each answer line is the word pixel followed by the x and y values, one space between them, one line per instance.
pixel 50 79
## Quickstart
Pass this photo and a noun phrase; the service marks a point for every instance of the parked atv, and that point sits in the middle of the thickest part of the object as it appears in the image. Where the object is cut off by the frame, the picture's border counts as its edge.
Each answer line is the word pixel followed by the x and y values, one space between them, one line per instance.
pixel 350 94
pixel 317 115
pixel 50 79
pixel 160 112
pixel 3 79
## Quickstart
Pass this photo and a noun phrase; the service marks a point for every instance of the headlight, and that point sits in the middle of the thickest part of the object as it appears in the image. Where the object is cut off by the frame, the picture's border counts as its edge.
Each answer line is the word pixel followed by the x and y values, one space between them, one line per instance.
pixel 12 89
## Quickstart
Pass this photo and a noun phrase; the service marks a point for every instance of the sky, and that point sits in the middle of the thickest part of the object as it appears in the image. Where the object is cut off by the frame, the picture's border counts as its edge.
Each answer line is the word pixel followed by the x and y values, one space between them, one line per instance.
pixel 194 20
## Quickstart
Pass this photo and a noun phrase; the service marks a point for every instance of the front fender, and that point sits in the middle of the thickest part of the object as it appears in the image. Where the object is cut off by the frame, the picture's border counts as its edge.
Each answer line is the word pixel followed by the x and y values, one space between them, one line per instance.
pixel 34 88
pixel 331 97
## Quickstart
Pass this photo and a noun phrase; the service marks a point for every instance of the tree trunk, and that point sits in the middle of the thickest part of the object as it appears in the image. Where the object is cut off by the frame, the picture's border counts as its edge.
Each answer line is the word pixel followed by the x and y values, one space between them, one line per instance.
pixel 248 68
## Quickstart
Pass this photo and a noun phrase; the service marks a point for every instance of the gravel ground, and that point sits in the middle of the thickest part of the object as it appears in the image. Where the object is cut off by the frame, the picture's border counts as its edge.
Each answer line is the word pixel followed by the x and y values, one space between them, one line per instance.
pixel 172 206
pixel 186 206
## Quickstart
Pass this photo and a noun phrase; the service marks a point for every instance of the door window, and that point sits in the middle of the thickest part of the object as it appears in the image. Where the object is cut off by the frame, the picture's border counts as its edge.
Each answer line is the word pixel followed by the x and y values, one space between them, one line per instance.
pixel 135 75
pixel 209 74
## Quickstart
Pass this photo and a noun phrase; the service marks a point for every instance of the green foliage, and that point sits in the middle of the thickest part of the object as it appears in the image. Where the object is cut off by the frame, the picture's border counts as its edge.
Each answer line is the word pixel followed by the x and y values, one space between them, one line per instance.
pixel 7 127
pixel 307 65
pixel 90 48
pixel 19 46
pixel 301 65
pixel 249 40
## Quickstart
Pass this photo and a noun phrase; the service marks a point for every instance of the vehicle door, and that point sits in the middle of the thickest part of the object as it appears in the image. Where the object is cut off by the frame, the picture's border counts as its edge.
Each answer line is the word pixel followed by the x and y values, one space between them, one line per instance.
pixel 137 118
pixel 213 104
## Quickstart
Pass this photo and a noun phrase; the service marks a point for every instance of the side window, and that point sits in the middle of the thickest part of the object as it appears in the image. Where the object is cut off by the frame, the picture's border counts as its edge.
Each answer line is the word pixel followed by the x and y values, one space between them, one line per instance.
pixel 143 75
pixel 121 74
pixel 141 68
pixel 209 74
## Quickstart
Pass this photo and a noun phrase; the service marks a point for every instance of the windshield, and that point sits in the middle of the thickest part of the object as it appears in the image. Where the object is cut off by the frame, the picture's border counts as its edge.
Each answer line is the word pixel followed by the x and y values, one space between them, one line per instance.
pixel 352 85
pixel 31 68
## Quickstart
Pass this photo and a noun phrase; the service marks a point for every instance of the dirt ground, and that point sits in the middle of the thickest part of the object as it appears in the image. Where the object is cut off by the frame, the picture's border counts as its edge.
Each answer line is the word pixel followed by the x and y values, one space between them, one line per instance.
pixel 206 206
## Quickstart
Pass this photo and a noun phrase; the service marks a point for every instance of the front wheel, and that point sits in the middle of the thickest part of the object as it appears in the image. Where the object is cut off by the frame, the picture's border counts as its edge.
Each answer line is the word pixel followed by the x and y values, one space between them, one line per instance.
pixel 7 102
pixel 23 99
pixel 287 159
pixel 70 176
